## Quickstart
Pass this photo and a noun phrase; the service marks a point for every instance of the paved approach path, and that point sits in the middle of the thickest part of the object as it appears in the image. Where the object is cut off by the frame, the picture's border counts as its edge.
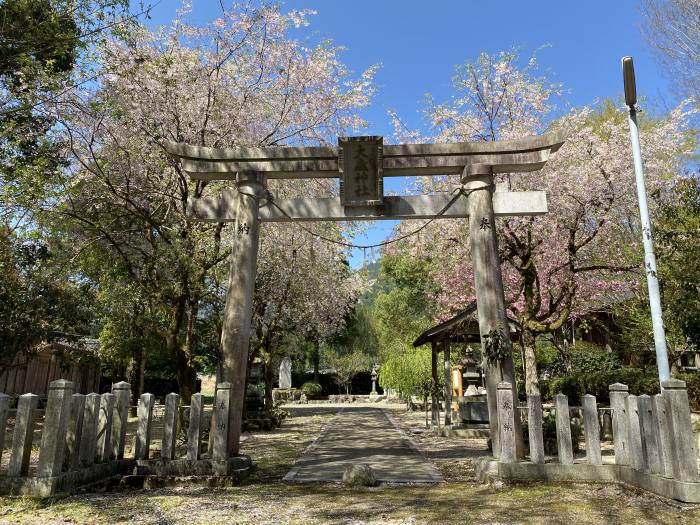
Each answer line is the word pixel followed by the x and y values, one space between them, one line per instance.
pixel 363 435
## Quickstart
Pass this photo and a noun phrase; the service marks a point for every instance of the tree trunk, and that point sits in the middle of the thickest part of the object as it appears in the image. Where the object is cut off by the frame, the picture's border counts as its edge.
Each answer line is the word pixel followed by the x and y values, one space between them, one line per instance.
pixel 141 384
pixel 186 375
pixel 316 359
pixel 269 374
pixel 137 372
pixel 425 405
pixel 527 341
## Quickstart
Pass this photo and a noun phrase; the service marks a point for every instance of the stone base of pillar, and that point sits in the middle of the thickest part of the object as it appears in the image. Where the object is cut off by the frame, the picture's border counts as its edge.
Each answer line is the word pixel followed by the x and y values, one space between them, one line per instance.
pixel 66 481
pixel 190 468
pixel 488 469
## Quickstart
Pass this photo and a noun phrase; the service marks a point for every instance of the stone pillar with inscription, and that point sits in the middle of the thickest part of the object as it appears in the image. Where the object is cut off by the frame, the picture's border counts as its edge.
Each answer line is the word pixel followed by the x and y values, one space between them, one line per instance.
pixel 488 283
pixel 506 408
pixel 238 312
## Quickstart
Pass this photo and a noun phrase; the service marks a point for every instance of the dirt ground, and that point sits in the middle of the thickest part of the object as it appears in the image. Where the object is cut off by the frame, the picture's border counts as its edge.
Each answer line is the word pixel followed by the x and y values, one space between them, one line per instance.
pixel 265 499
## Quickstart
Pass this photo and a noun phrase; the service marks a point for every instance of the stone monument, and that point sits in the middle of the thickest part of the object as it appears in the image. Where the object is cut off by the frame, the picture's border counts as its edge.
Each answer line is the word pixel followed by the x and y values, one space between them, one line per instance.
pixel 285 374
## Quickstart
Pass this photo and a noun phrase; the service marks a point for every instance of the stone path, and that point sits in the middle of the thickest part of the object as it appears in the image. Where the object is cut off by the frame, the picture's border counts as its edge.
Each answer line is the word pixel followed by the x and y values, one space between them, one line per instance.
pixel 363 435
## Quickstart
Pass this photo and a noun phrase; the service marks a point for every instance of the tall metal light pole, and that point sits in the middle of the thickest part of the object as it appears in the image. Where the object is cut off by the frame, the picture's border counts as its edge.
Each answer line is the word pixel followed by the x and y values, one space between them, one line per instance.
pixel 649 258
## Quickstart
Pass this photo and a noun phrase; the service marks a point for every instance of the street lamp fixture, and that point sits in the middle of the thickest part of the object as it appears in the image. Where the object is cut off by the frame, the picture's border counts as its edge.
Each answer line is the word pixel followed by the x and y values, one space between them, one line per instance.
pixel 649 258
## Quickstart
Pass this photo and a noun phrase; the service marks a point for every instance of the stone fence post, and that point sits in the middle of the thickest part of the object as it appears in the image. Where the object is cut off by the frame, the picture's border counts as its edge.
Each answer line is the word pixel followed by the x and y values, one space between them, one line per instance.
pixel 592 429
pixel 120 419
pixel 685 467
pixel 636 444
pixel 53 437
pixel 563 424
pixel 618 403
pixel 104 428
pixel 4 412
pixel 88 439
pixel 143 430
pixel 74 432
pixel 194 430
pixel 662 424
pixel 649 431
pixel 534 428
pixel 23 434
pixel 219 433
pixel 172 403
pixel 505 426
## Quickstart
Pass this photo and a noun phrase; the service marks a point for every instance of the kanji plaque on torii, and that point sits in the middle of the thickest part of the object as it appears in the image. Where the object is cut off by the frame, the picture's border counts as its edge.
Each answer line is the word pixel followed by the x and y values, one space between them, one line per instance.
pixel 361 163
pixel 361 171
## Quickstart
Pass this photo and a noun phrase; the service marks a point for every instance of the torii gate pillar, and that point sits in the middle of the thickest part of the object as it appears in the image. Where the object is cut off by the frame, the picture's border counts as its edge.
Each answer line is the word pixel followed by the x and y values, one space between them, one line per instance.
pixel 238 312
pixel 488 284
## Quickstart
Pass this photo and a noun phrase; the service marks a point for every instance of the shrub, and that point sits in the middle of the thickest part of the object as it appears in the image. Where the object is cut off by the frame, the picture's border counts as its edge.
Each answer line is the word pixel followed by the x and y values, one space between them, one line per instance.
pixel 311 389
pixel 549 433
pixel 583 358
pixel 692 381
pixel 587 358
pixel 597 384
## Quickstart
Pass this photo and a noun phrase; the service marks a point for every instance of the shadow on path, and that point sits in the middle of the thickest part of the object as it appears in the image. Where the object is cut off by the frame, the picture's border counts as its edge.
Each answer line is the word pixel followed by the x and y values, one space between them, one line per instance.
pixel 363 435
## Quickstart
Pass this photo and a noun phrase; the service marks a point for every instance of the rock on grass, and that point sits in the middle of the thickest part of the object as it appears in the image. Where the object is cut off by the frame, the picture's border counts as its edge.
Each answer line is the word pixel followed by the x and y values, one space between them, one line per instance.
pixel 360 475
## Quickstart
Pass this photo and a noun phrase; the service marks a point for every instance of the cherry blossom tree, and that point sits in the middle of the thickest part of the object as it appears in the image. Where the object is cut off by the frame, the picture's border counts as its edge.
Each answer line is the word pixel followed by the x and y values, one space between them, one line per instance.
pixel 303 285
pixel 239 81
pixel 570 261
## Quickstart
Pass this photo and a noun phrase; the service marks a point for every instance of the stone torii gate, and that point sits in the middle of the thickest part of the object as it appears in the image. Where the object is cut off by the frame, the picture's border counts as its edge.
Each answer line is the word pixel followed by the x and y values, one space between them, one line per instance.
pixel 361 163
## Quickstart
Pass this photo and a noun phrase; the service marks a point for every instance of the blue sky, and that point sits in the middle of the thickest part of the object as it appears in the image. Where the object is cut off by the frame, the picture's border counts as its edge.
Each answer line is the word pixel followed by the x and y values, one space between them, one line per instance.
pixel 419 43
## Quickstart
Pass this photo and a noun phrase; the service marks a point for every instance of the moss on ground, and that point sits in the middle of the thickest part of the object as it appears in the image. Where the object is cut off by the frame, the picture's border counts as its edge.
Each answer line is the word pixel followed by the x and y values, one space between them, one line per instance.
pixel 265 499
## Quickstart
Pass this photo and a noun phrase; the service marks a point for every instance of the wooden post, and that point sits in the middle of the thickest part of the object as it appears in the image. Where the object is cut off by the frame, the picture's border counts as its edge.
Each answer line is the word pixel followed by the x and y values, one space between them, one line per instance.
pixel 448 382
pixel 490 301
pixel 235 333
pixel 434 415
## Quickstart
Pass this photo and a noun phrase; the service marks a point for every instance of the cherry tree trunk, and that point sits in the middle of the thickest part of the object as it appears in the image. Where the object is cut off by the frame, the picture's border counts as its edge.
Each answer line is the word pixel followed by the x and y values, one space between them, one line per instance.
pixel 532 386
